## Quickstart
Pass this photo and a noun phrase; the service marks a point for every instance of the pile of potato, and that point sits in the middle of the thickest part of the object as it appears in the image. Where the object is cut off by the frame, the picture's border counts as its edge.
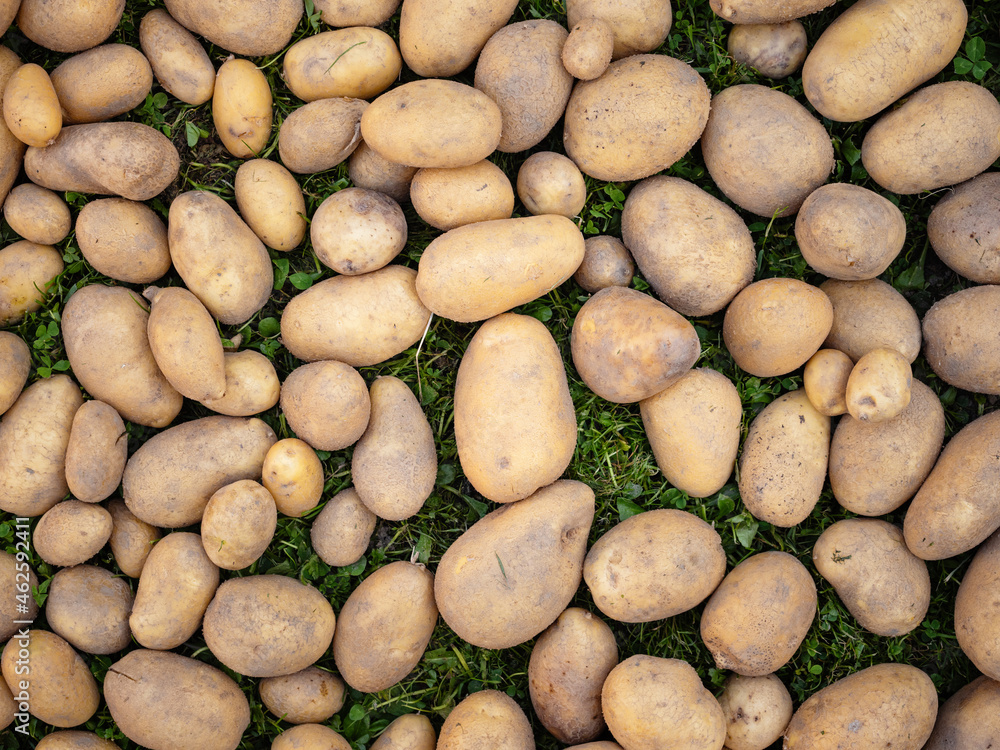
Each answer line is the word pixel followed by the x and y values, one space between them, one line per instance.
pixel 190 509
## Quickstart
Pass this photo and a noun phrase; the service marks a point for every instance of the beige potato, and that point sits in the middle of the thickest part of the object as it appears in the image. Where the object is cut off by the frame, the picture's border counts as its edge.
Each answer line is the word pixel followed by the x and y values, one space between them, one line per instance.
pixel 28 271
pixel 878 388
pixel 308 697
pixel 606 262
pixel 244 27
pixel 850 233
pixel 975 620
pixel 69 25
pixel 356 231
pixel 131 539
pixel 326 404
pixel 757 710
pixel 693 249
pixel 293 474
pixel 321 135
pixel 652 108
pixel 306 736
pixel 170 479
pixel 588 48
pixel 20 580
pixel 511 574
pixel 970 718
pixel 964 228
pixel 15 364
pixel 343 529
pixel 960 342
pixel 369 170
pixel 638 25
pixel 123 239
pixel 693 427
pixel 166 701
pixel 238 524
pixel 75 740
pixel 569 663
pixel 96 452
pixel 89 607
pixel 37 214
pixel 358 62
pixel 242 108
pixel 441 38
pixel 449 198
pixel 177 583
pixel 488 718
pixel 71 532
pixel 766 11
pixel 356 12
pixel 11 149
pixel 480 270
pixel 218 256
pixel 773 50
pixel 871 315
pixel 764 150
pixel 271 203
pixel 8 708
pixel 755 621
pixel 825 381
pixel 252 385
pixel 408 732
pixel 31 106
pixel 394 464
pixel 178 60
pixel 268 625
pixel 874 53
pixel 8 10
pixel 102 83
pixel 550 183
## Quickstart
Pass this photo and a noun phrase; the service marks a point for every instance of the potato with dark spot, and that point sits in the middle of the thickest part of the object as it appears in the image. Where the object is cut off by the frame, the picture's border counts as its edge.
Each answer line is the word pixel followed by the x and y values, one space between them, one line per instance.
pixel 69 25
pixel 356 231
pixel 131 539
pixel 252 385
pixel 343 529
pixel 408 732
pixel 242 108
pixel 308 697
pixel 606 262
pixel 369 170
pixel 244 27
pixel 102 83
pixel 960 341
pixel 96 453
pixel 326 404
pixel 123 239
pixel 31 106
pixel 310 737
pixel 638 25
pixel 871 315
pixel 359 62
pixel 757 710
pixel 27 270
pixel 766 11
pixel 964 229
pixel 37 214
pixel 550 183
pixel 178 60
pixel 588 48
pixel 21 581
pixel 238 524
pixel 71 533
pixel 74 740
pixel 15 364
pixel 449 198
pixel 89 607
pixel 488 718
pixel 970 718
pixel 293 475
pixel 344 13
pixel 975 609
pixel 878 388
pixel 320 135
pixel 825 381
pixel 271 203
pixel 773 50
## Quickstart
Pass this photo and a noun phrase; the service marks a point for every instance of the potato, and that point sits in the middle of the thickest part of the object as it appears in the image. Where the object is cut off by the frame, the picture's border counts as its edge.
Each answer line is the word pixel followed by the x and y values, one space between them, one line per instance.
pixel 970 718
pixel 75 740
pixel 34 434
pixel 166 701
pixel 178 60
pixel 766 11
pixel 18 577
pixel 975 619
pixel 308 697
pixel 408 732
pixel 320 135
pixel 773 50
pixel 177 583
pixel 550 183
pixel 127 159
pixel 569 663
pixel 653 108
pixel 8 10
pixel 306 736
pixel 692 248
pixel 37 214
pixel 271 203
pixel 27 270
pixel 652 703
pixel 69 25
pixel 356 12
pixel 62 691
pixel 449 198
pixel 433 123
pixel 238 524
pixel 638 25
pixel 356 231
pixel 244 27
pixel 853 711
pixel 369 170
pixel 825 381
pixel 8 708
pixel 11 149
pixel 521 70
pixel 343 529
pixel 604 745
pixel 755 621
pixel 131 539
pixel 960 342
pixel 871 315
pixel 102 83
pixel 89 607
pixel 394 464
pixel 169 480
pixel 293 475
pixel 693 427
pixel 104 330
pixel 71 532
pixel 252 385
pixel 357 62
pixel 511 574
pixel 123 239
pixel 878 388
pixel 847 232
pixel 218 256
pixel 439 38
pixel 31 106
pixel 757 710
pixel 242 108
pixel 385 626
pixel 326 404
pixel 480 270
pixel 944 134
pixel 15 364
pixel 654 565
pixel 873 54
pixel 963 227
pixel 606 262
pixel 96 452
pixel 764 150
pixel 488 718
pixel 268 625
pixel 588 48
pixel 775 326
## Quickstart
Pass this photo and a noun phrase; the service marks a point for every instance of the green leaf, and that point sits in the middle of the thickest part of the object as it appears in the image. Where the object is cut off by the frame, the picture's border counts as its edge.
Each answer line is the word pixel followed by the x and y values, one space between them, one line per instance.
pixel 816 669
pixel 160 100
pixel 746 531
pixel 61 366
pixel 627 509
pixel 280 272
pixel 726 504
pixel 975 49
pixel 269 327
pixel 911 278
pixel 850 152
pixel 193 134
pixel 357 713
pixel 543 314
pixel 446 475
pixel 301 280
pixel 481 508
pixel 980 69
pixel 962 66
pixel 423 548
pixel 357 568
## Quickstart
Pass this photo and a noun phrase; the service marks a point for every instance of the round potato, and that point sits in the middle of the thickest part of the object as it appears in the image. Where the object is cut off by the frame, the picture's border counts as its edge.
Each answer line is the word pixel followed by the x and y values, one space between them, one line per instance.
pixel 320 135
pixel 550 183
pixel 757 710
pixel 357 62
pixel 369 170
pixel 31 106
pixel 343 529
pixel 89 607
pixel 356 231
pixel 588 48
pixel 271 203
pixel 871 315
pixel 179 62
pixel 766 11
pixel 638 25
pixel 252 385
pixel 71 532
pixel 970 718
pixel 244 27
pixel 964 228
pixel 293 475
pixel 74 740
pixel 825 381
pixel 16 574
pixel 959 342
pixel 326 404
pixel 488 718
pixel 449 198
pixel 878 388
pixel 308 697
pixel 131 539
pixel 37 214
pixel 344 13
pixel 15 364
pixel 96 452
pixel 975 623
pixel 27 270
pixel 408 732
pixel 102 83
pixel 773 50
pixel 310 736
pixel 238 524
pixel 69 25
pixel 606 262
pixel 242 108
pixel 123 239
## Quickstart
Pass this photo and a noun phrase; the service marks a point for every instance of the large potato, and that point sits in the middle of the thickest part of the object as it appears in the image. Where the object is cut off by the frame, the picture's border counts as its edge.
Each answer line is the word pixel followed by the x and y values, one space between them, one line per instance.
pixel 71 532
pixel 638 25
pixel 449 198
pixel 238 524
pixel 170 479
pixel 481 270
pixel 308 697
pixel 178 60
pixel 755 621
pixel 69 25
pixel 27 270
pixel 20 605
pixel 773 50
pixel 960 341
pixel 31 106
pixel 642 115
pixel 408 732
pixel 89 607
pixel 976 623
pixel 692 248
pixel 15 364
pixel 96 452
pixel 875 52
pixel 341 532
pixel 242 108
pixel 123 239
pixel 964 229
pixel 131 539
pixel 871 315
pixel 356 231
pixel 369 170
pixel 102 83
pixel 271 203
pixel 320 135
pixel 37 214
pixel 654 565
pixel 757 710
pixel 766 11
pixel 515 427
pixel 326 404
pixel 488 718
pixel 293 474
pixel 252 385
pixel 511 574
pixel 970 718
pixel 244 27
pixel 356 62
pixel 439 38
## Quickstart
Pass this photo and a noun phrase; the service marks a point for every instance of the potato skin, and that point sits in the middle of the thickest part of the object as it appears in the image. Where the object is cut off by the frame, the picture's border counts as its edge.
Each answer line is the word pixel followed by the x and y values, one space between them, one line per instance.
pixel 875 52
pixel 271 203
pixel 123 239
pixel 308 697
pixel 964 230
pixel 773 50
pixel 102 83
pixel 96 452
pixel 11 149
pixel 358 62
pixel 131 539
pixel 242 108
pixel 766 11
pixel 356 231
pixel 244 27
pixel 550 183
pixel 825 381
pixel 970 718
pixel 449 198
pixel 606 262
pixel 326 404
pixel 369 170
pixel 37 214
pixel 320 135
pixel 89 607
pixel 488 718
pixel 31 106
pixel 238 524
pixel 178 60
pixel 15 364
pixel 343 13
pixel 74 740
pixel 878 388
pixel 252 385
pixel 588 48
pixel 69 25
pixel 871 315
pixel 408 732
pixel 293 474
pixel 975 616
pixel 638 25
pixel 959 343
pixel 26 268
pixel 71 532
pixel 757 710
pixel 20 579
pixel 343 529
pixel 309 736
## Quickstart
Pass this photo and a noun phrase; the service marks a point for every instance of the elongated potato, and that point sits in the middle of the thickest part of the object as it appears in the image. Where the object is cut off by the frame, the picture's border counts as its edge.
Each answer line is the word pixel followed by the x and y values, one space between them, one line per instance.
pixel 69 25
pixel 31 106
pixel 242 108
pixel 131 539
pixel 89 607
pixel 238 524
pixel 252 385
pixel 369 170
pixel 488 718
pixel 356 231
pixel 408 732
pixel 766 11
pixel 244 27
pixel 15 364
pixel 96 452
pixel 326 403
pixel 320 135
pixel 356 62
pixel 773 50
pixel 960 342
pixel 306 697
pixel 825 381
pixel 970 718
pixel 871 315
pixel 179 62
pixel 964 228
pixel 757 711
pixel 37 214
pixel 440 39
pixel 449 198
pixel 293 474
pixel 27 270
pixel 341 532
pixel 102 83
pixel 271 203
pixel 123 239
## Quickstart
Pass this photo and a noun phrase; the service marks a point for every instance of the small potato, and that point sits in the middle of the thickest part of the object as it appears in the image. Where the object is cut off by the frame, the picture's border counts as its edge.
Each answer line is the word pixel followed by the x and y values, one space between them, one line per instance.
pixel 252 385
pixel 825 381
pixel 356 231
pixel 408 732
pixel 27 270
pixel 449 198
pixel 71 533
pixel 238 524
pixel 369 170
pixel 74 740
pixel 970 718
pixel 271 203
pixel 757 710
pixel 488 718
pixel 178 60
pixel 123 239
pixel 343 13
pixel 244 27
pixel 37 214
pixel 964 229
pixel 102 83
pixel 550 183
pixel 89 607
pixel 773 50
pixel 878 388
pixel 308 736
pixel 293 475
pixel 326 404
pixel 31 106
pixel 96 453
pixel 606 262
pixel 21 581
pixel 69 25
pixel 440 38
pixel 343 529
pixel 588 49
pixel 242 108
pixel 960 341
pixel 131 539
pixel 871 315
pixel 638 25
pixel 359 62
pixel 975 621
pixel 320 135
pixel 15 364
pixel 308 697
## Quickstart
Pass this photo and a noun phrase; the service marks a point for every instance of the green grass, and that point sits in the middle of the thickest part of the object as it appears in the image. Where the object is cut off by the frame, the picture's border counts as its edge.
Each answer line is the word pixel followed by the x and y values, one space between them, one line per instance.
pixel 612 455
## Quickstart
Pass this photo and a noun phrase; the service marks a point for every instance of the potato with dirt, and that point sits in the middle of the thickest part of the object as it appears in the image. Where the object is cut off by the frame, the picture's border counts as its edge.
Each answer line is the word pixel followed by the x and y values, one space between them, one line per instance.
pixel 408 732
pixel 326 403
pixel 588 48
pixel 975 610
pixel 244 27
pixel 37 214
pixel 550 183
pixel 69 25
pixel 15 364
pixel 252 385
pixel 606 262
pixel 450 198
pixel 89 607
pixel 970 718
pixel 178 60
pixel 488 718
pixel 774 50
pixel 356 62
pixel 964 229
pixel 369 170
pixel 871 315
pixel 311 696
pixel 440 38
pixel 28 272
pixel 31 106
pixel 131 539
pixel 293 474
pixel 960 342
pixel 242 108
pixel 321 135
pixel 74 740
pixel 878 388
pixel 757 710
pixel 21 581
pixel 271 203
pixel 638 25
pixel 238 524
pixel 342 531
pixel 310 736
pixel 123 239
pixel 824 379
pixel 96 452
pixel 71 532
pixel 356 231
pixel 102 83
pixel 766 11
pixel 343 13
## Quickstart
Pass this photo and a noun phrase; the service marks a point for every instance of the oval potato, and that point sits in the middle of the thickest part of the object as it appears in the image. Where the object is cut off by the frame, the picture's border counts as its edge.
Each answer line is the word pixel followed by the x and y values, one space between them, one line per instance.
pixel 69 25
pixel 102 83
pixel 242 108
pixel 773 50
pixel 358 62
pixel 449 198
pixel 31 106
pixel 37 214
pixel 326 404
pixel 310 736
pixel 550 183
pixel 123 239
pixel 89 607
pixel 970 718
pixel 308 697
pixel 408 732
pixel 293 474
pixel 96 452
pixel 871 315
pixel 964 224
pixel 960 342
pixel 766 11
pixel 488 718
pixel 252 385
pixel 238 524
pixel 178 60
pixel 28 271
pixel 74 740
pixel 71 532
pixel 637 25
pixel 588 48
pixel 369 170
pixel 271 203
pixel 824 379
pixel 356 231
pixel 341 532
pixel 15 364
pixel 20 579
pixel 131 539
pixel 757 710
pixel 244 27
pixel 878 388
pixel 321 135
pixel 343 13
pixel 606 262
